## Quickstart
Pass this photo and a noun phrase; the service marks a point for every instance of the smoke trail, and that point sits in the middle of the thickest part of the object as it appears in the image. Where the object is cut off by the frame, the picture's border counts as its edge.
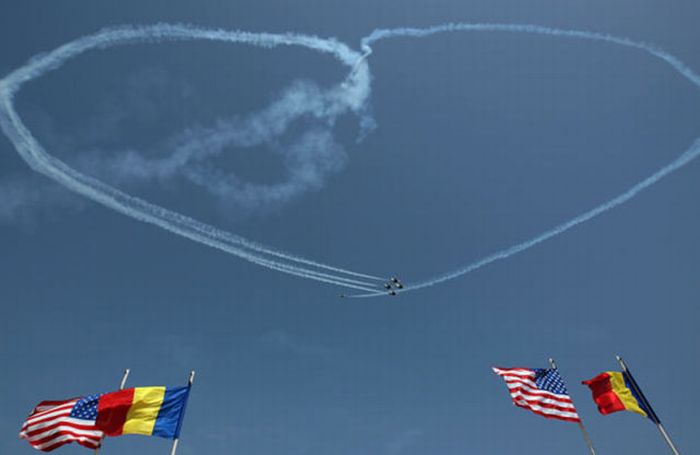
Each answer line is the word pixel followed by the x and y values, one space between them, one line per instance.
pixel 686 157
pixel 308 160
pixel 678 65
pixel 350 95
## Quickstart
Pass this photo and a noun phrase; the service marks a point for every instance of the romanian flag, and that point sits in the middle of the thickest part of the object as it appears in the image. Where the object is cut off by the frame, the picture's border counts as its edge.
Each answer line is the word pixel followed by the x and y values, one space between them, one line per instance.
pixel 151 411
pixel 616 391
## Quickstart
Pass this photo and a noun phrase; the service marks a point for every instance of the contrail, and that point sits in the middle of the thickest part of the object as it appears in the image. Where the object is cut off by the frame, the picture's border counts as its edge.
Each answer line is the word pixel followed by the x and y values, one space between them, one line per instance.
pixel 351 96
pixel 686 157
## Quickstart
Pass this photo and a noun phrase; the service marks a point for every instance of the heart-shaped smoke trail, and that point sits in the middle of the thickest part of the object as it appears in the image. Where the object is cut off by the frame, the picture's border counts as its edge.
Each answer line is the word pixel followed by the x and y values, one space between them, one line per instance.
pixel 351 95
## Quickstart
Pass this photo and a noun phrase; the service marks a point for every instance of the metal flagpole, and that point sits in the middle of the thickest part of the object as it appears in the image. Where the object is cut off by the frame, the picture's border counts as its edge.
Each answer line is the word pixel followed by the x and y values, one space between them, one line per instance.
pixel 586 436
pixel 652 415
pixel 121 387
pixel 176 440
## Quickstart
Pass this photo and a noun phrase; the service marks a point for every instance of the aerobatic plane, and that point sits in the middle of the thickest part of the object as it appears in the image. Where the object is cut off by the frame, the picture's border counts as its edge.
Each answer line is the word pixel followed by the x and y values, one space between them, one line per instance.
pixel 392 285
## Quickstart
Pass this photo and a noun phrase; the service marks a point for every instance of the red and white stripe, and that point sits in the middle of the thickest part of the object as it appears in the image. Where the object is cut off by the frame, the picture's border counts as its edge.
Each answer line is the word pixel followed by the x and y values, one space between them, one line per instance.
pixel 50 426
pixel 526 394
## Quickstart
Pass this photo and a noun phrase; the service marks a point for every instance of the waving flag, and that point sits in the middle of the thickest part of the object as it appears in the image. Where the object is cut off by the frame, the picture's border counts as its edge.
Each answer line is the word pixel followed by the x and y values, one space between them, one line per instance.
pixel 55 423
pixel 151 411
pixel 542 391
pixel 613 391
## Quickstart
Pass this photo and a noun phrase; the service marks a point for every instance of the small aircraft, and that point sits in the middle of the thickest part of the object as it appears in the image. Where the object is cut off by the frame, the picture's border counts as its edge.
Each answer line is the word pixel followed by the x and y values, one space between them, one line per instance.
pixel 392 285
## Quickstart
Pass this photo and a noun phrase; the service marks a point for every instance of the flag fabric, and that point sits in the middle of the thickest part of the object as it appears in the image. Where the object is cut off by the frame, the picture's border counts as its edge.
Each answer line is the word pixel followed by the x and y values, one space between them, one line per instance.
pixel 151 411
pixel 55 423
pixel 540 390
pixel 614 391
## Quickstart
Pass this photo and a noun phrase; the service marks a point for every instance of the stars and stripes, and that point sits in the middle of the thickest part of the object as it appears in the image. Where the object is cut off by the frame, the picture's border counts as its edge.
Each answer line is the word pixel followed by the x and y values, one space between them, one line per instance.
pixel 55 423
pixel 542 391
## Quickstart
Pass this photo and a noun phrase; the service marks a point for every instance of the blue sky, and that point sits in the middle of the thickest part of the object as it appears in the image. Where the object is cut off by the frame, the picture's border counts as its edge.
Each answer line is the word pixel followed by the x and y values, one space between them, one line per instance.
pixel 482 141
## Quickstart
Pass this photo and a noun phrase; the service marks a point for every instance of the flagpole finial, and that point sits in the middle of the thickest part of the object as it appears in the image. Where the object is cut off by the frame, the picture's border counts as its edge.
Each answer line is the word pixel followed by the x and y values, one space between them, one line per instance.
pixel 622 363
pixel 191 379
pixel 124 378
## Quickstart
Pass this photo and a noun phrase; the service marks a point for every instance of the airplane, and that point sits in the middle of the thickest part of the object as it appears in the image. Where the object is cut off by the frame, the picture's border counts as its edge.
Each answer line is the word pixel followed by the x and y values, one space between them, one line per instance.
pixel 395 282
pixel 391 287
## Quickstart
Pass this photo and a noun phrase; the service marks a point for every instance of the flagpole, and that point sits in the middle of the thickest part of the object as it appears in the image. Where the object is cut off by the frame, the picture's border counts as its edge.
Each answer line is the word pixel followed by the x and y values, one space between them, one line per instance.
pixel 176 440
pixel 121 387
pixel 652 415
pixel 586 436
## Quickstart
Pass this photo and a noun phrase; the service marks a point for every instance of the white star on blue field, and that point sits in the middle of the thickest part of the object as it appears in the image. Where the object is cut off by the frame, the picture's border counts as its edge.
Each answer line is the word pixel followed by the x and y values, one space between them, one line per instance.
pixel 467 144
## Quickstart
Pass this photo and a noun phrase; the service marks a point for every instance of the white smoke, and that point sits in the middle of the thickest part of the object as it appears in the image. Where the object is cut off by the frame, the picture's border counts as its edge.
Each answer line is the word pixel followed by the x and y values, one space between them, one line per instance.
pixel 686 157
pixel 348 96
pixel 309 159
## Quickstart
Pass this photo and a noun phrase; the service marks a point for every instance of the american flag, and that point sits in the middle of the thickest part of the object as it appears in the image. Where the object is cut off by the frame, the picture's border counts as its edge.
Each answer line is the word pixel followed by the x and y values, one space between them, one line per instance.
pixel 542 391
pixel 55 423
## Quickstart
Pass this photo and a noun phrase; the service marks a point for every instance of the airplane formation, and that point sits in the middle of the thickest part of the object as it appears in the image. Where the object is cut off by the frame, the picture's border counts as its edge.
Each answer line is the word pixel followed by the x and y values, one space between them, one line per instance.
pixel 391 287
